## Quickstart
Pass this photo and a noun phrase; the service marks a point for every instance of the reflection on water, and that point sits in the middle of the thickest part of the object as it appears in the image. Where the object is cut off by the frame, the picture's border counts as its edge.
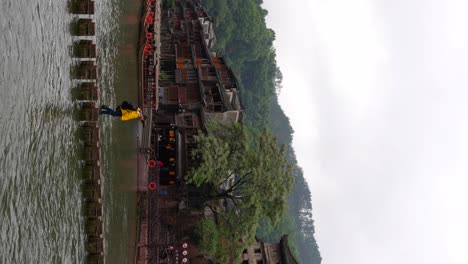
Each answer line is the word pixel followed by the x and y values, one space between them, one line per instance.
pixel 40 196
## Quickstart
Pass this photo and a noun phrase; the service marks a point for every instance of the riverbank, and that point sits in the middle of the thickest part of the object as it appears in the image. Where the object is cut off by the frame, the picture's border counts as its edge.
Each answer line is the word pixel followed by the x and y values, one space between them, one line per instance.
pixel 148 74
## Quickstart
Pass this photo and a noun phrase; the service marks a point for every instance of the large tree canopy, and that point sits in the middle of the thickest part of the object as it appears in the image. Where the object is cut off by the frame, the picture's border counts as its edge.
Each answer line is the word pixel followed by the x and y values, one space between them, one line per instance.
pixel 248 173
pixel 245 167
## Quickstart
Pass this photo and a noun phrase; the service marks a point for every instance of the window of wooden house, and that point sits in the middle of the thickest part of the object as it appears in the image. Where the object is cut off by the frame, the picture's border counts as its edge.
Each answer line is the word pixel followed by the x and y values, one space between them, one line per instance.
pixel 172 94
pixel 257 250
pixel 190 133
pixel 190 139
pixel 188 121
pixel 193 94
pixel 195 123
pixel 218 108
pixel 190 74
pixel 216 97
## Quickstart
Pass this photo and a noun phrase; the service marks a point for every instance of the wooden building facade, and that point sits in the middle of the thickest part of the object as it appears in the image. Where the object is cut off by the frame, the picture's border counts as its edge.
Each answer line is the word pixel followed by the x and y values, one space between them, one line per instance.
pixel 269 253
pixel 193 86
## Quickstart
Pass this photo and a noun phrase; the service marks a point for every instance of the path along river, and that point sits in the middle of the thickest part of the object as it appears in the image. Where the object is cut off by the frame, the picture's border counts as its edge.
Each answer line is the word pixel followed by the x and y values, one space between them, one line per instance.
pixel 40 196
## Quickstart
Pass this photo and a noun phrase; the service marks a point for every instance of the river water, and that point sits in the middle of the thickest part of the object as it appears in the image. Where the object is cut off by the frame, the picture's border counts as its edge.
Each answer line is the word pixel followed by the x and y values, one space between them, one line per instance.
pixel 40 196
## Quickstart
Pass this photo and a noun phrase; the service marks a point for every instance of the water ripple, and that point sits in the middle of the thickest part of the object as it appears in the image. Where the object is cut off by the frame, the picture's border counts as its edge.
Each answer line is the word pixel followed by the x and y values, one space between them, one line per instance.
pixel 38 155
pixel 40 196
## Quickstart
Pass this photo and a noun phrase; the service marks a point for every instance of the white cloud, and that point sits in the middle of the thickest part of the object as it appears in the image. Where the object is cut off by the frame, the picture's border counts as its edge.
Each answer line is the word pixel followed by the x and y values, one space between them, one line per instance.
pixel 376 92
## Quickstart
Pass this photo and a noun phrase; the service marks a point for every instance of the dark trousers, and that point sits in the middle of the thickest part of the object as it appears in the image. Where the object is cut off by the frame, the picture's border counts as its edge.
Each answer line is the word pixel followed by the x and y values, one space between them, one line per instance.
pixel 107 111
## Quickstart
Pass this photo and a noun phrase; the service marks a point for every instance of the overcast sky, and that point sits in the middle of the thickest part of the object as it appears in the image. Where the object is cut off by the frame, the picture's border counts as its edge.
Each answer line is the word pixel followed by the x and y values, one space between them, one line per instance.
pixel 377 93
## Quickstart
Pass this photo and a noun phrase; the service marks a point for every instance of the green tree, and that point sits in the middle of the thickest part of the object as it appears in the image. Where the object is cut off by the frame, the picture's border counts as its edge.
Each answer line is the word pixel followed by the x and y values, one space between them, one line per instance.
pixel 207 236
pixel 249 178
pixel 238 162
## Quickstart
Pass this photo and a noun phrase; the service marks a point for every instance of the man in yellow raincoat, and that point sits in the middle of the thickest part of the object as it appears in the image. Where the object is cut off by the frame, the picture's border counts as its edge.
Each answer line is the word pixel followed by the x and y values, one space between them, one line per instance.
pixel 126 111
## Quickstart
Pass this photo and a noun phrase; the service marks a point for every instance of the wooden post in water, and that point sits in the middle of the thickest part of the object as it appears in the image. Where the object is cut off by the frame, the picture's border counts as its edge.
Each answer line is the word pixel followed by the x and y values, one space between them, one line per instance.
pixel 89 131
pixel 92 195
pixel 90 134
pixel 93 209
pixel 95 244
pixel 84 49
pixel 89 112
pixel 82 7
pixel 84 27
pixel 86 70
pixel 91 173
pixel 91 153
pixel 94 258
pixel 93 227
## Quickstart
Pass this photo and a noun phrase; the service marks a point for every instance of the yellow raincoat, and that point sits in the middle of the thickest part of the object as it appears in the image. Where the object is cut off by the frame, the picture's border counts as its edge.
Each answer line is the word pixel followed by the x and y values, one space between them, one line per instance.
pixel 128 114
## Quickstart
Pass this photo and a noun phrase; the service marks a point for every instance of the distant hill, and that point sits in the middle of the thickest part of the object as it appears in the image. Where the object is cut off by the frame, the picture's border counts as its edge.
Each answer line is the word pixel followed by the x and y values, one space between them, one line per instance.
pixel 247 44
